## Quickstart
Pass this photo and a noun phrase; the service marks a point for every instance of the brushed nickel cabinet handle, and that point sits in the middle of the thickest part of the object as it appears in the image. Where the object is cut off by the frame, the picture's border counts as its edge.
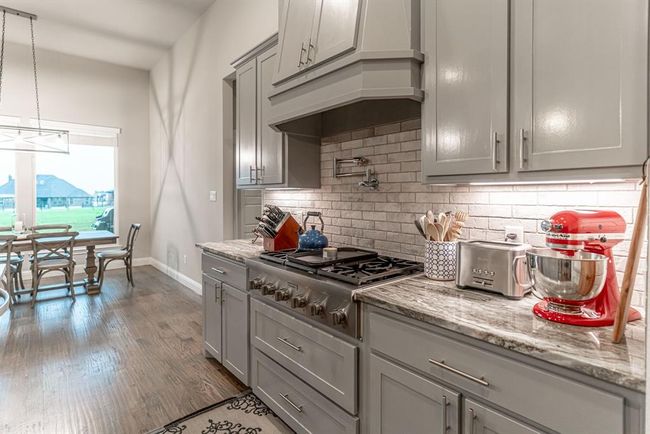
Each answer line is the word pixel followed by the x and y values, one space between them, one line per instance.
pixel 302 50
pixel 310 46
pixel 216 292
pixel 445 404
pixel 250 175
pixel 472 420
pixel 216 270
pixel 443 365
pixel 495 151
pixel 522 148
pixel 285 396
pixel 289 344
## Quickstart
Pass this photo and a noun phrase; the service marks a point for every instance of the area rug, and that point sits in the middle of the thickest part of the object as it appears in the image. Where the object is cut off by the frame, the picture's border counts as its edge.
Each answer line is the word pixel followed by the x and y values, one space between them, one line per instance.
pixel 243 414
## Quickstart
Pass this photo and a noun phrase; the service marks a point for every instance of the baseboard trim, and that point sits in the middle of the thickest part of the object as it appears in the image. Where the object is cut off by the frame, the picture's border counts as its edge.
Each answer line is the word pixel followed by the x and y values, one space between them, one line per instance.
pixel 80 268
pixel 176 275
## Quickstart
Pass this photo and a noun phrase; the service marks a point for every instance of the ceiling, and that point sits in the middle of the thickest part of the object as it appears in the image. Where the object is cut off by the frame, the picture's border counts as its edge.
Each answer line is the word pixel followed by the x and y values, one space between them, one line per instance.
pixel 126 32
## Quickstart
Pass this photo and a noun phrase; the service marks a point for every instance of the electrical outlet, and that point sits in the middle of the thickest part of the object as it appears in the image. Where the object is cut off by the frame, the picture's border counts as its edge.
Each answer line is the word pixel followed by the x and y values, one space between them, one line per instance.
pixel 185 259
pixel 514 234
pixel 213 196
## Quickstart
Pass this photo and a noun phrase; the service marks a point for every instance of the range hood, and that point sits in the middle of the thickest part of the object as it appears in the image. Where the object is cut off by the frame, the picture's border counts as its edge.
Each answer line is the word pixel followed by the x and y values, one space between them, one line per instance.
pixel 377 80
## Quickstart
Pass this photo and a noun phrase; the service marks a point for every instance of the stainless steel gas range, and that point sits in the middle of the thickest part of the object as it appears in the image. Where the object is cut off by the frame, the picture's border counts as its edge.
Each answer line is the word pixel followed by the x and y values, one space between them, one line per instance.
pixel 321 290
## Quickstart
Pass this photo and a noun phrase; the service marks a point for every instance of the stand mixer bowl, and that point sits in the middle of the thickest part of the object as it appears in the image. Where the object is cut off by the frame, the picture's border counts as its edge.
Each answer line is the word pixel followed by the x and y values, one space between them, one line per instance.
pixel 565 281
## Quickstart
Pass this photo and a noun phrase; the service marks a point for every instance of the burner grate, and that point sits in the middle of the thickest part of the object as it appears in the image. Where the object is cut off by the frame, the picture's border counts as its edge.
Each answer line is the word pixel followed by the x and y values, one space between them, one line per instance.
pixel 363 272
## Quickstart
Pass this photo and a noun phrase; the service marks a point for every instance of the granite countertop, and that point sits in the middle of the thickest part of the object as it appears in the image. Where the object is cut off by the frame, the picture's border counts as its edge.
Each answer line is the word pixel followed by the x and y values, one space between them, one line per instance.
pixel 511 324
pixel 236 250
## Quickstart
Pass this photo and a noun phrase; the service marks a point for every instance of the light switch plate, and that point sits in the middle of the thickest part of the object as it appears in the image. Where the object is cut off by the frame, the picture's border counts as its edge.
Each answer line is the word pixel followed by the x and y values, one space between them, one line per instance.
pixel 213 196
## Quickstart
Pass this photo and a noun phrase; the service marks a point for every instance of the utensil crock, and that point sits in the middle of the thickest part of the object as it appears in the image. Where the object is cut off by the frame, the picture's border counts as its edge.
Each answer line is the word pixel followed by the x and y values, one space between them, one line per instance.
pixel 440 260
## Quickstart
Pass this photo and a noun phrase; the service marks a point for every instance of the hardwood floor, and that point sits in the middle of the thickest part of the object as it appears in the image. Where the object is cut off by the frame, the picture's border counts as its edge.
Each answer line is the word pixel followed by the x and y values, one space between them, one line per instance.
pixel 125 361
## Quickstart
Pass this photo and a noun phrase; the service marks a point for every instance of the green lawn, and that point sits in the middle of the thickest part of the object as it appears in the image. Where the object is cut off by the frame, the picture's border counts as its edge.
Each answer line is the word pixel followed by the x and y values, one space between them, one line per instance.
pixel 81 219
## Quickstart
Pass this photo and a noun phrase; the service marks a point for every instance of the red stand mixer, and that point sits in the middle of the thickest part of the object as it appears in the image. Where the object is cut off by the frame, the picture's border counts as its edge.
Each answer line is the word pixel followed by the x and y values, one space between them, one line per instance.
pixel 577 239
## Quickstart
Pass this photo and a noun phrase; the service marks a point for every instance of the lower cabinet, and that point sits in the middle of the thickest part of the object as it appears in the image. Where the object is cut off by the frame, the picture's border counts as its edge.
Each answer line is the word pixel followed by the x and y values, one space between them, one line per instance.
pixel 225 326
pixel 481 419
pixel 403 401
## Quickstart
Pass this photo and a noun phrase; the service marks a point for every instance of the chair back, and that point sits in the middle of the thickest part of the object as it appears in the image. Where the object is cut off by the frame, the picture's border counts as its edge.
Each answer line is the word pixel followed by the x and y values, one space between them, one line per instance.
pixel 50 228
pixel 132 236
pixel 53 245
pixel 6 242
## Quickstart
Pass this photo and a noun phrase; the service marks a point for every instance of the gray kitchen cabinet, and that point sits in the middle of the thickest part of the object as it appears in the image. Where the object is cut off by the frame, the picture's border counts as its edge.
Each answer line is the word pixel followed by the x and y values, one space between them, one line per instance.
pixel 313 31
pixel 212 317
pixel 246 123
pixel 225 314
pixel 296 24
pixel 235 331
pixel 264 156
pixel 465 111
pixel 335 29
pixel 403 401
pixel 579 89
pixel 481 419
pixel 270 153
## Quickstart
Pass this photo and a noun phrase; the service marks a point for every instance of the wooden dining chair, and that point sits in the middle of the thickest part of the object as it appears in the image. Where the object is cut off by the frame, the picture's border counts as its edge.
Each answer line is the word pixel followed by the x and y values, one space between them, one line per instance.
pixel 125 254
pixel 7 272
pixel 52 253
pixel 15 260
pixel 38 229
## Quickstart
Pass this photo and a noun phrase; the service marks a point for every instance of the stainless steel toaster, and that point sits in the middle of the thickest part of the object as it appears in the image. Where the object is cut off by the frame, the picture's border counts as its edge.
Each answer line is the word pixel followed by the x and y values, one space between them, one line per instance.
pixel 490 265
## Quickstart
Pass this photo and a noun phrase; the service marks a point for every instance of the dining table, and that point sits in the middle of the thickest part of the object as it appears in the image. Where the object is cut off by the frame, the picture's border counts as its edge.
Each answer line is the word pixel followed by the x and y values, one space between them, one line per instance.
pixel 88 239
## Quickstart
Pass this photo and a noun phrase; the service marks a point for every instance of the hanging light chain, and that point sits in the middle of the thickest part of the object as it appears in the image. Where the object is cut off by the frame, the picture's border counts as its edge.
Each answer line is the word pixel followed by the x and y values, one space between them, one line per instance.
pixel 2 49
pixel 38 105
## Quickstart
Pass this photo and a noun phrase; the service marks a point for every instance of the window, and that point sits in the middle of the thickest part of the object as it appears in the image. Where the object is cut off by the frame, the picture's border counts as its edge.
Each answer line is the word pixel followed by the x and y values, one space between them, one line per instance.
pixel 7 187
pixel 77 188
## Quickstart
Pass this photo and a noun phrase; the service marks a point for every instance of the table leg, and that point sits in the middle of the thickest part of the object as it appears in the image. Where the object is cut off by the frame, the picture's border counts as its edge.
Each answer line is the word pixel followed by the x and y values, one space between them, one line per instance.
pixel 92 285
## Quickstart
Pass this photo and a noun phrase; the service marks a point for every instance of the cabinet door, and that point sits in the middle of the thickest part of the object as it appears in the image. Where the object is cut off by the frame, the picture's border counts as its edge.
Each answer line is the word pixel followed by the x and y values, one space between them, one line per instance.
pixel 482 420
pixel 465 112
pixel 212 317
pixel 402 401
pixel 296 23
pixel 270 150
pixel 335 29
pixel 235 332
pixel 580 83
pixel 246 122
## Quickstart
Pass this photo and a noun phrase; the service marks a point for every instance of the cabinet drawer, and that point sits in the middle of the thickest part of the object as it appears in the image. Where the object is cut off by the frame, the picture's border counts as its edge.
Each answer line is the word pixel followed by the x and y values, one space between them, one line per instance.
pixel 323 361
pixel 297 404
pixel 225 271
pixel 479 418
pixel 558 403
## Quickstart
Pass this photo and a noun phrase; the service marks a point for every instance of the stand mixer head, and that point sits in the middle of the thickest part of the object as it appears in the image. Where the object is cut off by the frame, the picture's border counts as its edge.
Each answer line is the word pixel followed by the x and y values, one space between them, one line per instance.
pixel 581 242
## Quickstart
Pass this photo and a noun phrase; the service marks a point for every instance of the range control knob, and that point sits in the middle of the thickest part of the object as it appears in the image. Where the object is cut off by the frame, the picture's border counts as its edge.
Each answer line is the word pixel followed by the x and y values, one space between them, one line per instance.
pixel 317 309
pixel 283 294
pixel 257 283
pixel 339 316
pixel 269 288
pixel 299 301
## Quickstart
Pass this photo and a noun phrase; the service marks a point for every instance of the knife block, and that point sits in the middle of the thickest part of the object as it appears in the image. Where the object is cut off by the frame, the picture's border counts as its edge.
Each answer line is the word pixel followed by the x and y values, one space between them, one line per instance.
pixel 286 238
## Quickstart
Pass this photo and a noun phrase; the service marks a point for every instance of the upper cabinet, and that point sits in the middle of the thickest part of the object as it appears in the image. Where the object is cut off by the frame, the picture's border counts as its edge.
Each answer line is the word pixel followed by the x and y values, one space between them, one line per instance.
pixel 313 31
pixel 571 104
pixel 465 114
pixel 264 156
pixel 580 75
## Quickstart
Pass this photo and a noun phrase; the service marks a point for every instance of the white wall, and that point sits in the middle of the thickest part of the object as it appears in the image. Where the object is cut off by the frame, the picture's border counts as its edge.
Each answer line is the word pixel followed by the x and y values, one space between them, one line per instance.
pixel 187 132
pixel 78 90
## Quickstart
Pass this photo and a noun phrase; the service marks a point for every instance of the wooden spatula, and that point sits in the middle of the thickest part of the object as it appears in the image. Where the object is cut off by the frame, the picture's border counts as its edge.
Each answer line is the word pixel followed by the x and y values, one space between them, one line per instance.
pixel 631 265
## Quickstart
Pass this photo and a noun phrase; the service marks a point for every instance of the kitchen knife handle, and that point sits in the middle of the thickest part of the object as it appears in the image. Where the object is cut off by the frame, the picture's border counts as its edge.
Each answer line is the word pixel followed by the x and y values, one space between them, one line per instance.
pixel 522 148
pixel 442 364
pixel 495 151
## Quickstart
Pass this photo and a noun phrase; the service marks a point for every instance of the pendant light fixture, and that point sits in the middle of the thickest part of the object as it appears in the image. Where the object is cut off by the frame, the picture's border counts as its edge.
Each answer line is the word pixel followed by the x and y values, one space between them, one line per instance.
pixel 29 139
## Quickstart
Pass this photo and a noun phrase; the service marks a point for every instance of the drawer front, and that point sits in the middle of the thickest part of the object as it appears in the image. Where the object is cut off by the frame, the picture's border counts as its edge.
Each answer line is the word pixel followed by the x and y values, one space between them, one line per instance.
pixel 224 270
pixel 325 362
pixel 297 404
pixel 558 403
pixel 479 418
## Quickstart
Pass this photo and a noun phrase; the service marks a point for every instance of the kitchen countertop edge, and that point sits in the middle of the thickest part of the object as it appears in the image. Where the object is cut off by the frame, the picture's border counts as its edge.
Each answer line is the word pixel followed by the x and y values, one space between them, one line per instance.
pixel 235 250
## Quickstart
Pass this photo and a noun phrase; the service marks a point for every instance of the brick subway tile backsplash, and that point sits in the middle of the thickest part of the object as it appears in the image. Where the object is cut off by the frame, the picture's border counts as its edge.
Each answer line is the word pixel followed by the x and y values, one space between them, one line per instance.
pixel 383 219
